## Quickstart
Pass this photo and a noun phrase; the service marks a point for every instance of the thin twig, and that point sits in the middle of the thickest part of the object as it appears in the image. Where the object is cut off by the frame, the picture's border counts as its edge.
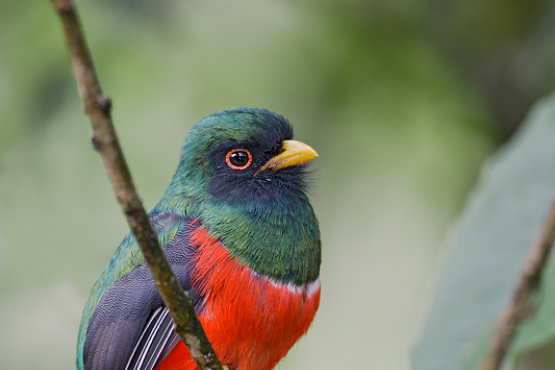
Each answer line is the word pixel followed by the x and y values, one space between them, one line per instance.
pixel 514 312
pixel 104 140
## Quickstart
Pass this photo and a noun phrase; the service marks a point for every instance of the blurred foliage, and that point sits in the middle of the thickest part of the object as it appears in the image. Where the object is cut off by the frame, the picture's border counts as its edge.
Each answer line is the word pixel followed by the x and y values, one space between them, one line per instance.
pixel 394 95
pixel 506 47
pixel 486 253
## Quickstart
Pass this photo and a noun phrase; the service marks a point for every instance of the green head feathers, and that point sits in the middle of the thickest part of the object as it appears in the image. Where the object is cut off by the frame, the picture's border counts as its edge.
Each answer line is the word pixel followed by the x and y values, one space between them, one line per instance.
pixel 258 209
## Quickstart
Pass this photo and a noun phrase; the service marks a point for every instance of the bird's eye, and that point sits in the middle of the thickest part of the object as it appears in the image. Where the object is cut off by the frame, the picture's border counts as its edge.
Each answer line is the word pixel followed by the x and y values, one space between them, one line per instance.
pixel 239 159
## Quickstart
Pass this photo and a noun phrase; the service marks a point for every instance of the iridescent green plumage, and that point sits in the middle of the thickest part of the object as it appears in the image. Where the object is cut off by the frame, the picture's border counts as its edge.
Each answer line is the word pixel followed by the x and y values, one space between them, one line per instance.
pixel 278 238
pixel 262 219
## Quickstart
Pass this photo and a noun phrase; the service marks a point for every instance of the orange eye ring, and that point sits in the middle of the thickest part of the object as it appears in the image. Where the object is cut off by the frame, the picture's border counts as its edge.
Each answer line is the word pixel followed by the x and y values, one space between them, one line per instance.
pixel 236 159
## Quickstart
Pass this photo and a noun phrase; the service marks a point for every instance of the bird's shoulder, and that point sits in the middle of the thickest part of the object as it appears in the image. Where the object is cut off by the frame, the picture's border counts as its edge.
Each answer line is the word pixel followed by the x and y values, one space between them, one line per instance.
pixel 168 225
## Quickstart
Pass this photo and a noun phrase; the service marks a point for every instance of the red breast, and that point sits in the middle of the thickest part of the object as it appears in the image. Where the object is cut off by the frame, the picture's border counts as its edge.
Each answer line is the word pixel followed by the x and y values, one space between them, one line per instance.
pixel 251 321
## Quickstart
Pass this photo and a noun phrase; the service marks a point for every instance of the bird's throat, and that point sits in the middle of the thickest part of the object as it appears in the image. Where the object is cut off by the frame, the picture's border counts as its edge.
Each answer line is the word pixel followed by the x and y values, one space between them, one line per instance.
pixel 280 241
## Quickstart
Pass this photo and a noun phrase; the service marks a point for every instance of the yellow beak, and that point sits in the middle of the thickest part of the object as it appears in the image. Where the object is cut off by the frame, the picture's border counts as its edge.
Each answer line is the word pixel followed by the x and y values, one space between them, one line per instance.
pixel 294 153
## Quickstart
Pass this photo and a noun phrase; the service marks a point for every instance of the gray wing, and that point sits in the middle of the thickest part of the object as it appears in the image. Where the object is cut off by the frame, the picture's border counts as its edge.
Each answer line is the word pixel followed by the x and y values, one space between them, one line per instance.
pixel 157 340
pixel 130 328
pixel 155 343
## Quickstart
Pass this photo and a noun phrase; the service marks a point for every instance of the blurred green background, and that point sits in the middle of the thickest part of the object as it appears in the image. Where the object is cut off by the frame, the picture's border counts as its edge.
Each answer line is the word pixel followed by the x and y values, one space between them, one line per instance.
pixel 402 99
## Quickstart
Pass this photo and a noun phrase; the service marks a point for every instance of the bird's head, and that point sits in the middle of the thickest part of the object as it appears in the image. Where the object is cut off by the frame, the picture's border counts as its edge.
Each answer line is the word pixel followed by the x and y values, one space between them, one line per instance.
pixel 242 154
pixel 243 176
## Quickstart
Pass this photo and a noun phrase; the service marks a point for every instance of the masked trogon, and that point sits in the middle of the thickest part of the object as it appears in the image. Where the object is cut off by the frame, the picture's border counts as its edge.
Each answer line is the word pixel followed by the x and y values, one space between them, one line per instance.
pixel 241 236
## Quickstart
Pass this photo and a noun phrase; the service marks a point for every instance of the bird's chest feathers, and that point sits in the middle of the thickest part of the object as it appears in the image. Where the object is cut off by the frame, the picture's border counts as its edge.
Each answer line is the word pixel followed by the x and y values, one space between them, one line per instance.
pixel 278 241
pixel 250 319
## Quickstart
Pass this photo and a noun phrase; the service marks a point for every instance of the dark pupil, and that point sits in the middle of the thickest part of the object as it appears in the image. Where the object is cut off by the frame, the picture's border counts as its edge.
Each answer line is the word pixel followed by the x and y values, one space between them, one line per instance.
pixel 239 159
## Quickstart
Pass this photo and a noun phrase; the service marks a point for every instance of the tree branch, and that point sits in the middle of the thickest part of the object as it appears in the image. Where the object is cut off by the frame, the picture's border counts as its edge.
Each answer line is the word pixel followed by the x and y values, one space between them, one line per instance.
pixel 104 140
pixel 529 281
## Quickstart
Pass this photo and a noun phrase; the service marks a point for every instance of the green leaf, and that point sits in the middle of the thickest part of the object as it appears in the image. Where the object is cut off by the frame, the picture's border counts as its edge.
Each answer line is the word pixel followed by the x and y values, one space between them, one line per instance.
pixel 486 250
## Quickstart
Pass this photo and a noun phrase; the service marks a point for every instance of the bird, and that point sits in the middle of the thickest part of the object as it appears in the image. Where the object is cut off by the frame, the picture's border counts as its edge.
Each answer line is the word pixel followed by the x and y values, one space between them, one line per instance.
pixel 243 240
